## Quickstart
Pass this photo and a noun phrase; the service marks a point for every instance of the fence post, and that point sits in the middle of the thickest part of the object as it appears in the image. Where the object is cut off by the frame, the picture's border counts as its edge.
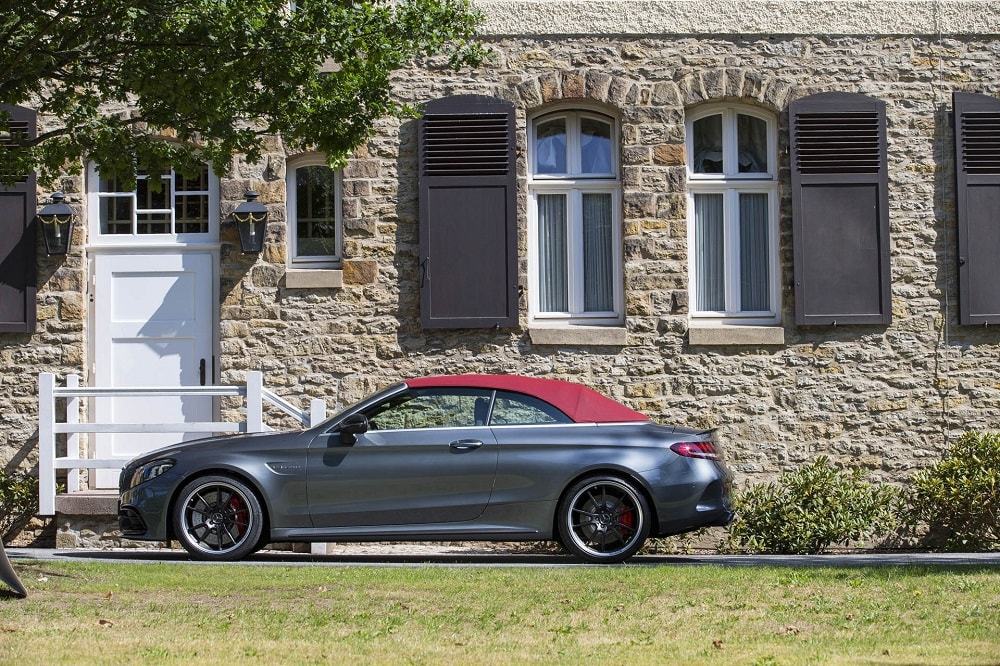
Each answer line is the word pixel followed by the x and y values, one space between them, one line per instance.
pixel 73 438
pixel 255 401
pixel 46 444
pixel 317 411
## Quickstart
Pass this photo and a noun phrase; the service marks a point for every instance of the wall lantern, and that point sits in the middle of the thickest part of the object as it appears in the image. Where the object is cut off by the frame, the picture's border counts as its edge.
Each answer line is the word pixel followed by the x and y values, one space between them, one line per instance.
pixel 251 220
pixel 57 224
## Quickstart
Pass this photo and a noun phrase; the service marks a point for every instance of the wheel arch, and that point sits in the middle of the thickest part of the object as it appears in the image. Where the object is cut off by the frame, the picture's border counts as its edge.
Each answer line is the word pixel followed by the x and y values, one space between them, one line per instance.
pixel 617 472
pixel 236 474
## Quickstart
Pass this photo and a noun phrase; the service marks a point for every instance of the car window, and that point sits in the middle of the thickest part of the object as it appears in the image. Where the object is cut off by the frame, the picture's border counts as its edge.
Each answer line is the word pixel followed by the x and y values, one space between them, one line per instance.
pixel 518 409
pixel 431 408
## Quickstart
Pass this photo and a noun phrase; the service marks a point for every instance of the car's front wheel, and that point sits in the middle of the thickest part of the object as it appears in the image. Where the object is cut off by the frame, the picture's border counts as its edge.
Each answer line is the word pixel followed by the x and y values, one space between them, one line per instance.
pixel 218 518
pixel 603 520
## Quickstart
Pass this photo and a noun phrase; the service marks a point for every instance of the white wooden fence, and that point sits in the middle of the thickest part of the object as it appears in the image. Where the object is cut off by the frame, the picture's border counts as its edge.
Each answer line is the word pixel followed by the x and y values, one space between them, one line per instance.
pixel 48 427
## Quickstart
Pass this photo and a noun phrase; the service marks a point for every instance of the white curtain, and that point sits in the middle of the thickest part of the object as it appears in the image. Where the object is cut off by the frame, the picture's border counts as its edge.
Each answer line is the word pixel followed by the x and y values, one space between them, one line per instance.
pixel 709 258
pixel 553 293
pixel 754 288
pixel 598 264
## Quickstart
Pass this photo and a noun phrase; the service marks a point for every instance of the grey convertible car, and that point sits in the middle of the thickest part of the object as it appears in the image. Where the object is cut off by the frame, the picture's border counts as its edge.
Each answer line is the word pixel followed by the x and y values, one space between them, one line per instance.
pixel 449 458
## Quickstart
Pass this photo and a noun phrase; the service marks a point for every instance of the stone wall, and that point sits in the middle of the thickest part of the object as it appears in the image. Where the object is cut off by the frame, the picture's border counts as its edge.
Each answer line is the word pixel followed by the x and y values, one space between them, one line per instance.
pixel 887 398
pixel 884 397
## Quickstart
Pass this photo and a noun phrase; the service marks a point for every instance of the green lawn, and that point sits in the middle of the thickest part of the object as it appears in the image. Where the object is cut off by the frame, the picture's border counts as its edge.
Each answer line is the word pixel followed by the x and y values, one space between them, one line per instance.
pixel 676 614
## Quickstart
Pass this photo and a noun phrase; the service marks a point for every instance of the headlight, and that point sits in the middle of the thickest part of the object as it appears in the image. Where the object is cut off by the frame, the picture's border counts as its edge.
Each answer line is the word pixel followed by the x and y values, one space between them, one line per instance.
pixel 150 471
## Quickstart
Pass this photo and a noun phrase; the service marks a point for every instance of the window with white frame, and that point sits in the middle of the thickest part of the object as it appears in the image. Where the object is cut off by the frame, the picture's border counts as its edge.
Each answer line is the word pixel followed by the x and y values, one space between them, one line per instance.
pixel 160 206
pixel 732 215
pixel 575 257
pixel 313 213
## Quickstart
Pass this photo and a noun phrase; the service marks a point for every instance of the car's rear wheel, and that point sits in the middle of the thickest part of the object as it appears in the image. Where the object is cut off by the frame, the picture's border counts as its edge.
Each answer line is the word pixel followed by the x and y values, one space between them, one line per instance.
pixel 603 519
pixel 218 518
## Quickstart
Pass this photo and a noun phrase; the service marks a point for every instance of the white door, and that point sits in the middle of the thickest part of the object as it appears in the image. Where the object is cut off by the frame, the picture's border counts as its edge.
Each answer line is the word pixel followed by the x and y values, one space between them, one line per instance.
pixel 154 320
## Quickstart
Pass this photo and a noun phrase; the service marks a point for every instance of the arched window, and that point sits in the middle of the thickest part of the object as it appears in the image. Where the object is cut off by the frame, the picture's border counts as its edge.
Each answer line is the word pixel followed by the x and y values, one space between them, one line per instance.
pixel 733 215
pixel 313 213
pixel 575 258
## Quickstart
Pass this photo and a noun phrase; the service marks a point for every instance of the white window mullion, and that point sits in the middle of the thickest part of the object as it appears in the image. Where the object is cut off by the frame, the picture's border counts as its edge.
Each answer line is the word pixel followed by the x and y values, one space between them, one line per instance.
pixel 775 265
pixel 732 251
pixel 730 146
pixel 575 258
pixel 170 180
pixel 135 213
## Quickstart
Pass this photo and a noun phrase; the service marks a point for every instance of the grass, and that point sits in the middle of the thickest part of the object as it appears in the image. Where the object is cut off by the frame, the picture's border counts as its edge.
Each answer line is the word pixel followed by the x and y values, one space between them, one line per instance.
pixel 98 613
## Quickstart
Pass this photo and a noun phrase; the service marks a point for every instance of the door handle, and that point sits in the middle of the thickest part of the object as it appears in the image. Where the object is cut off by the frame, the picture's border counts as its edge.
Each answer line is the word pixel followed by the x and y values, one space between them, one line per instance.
pixel 463 445
pixel 201 371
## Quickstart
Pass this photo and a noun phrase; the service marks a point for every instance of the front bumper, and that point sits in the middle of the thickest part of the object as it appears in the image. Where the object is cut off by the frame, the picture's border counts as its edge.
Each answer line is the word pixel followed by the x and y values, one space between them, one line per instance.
pixel 130 522
pixel 142 510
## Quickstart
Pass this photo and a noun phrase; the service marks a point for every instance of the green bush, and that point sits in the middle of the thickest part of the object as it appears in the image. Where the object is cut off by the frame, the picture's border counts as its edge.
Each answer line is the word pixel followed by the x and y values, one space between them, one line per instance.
pixel 18 501
pixel 808 510
pixel 958 499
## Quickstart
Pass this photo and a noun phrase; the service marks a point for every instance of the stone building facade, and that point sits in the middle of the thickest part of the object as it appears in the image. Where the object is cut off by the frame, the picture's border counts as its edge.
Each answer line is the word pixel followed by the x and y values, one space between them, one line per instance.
pixel 884 396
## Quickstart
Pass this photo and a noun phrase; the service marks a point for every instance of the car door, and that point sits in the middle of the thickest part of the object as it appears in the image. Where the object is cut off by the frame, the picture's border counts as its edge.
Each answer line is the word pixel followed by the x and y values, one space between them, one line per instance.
pixel 427 457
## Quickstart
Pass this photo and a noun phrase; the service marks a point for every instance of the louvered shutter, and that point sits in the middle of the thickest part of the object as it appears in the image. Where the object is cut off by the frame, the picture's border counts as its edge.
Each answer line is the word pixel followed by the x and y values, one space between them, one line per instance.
pixel 840 210
pixel 468 230
pixel 977 151
pixel 17 234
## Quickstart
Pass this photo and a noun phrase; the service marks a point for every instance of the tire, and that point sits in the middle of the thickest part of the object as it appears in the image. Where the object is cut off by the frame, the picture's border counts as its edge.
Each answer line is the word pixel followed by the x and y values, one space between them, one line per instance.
pixel 603 520
pixel 218 518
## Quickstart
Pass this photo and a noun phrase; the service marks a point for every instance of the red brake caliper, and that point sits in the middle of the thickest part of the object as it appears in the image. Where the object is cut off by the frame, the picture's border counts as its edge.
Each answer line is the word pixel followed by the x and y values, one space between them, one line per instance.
pixel 239 515
pixel 627 519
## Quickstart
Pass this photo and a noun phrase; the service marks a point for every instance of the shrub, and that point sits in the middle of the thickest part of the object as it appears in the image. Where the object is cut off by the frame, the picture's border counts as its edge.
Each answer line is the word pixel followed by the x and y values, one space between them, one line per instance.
pixel 808 510
pixel 958 499
pixel 18 501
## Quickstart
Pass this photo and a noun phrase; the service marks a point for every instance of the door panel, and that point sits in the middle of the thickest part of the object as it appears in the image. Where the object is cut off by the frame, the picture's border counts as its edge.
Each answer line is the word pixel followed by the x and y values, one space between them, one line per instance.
pixel 399 477
pixel 153 325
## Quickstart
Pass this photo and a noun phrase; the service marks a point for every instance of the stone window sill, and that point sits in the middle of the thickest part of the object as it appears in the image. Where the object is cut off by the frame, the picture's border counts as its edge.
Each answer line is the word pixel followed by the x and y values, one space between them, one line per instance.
pixel 710 336
pixel 314 279
pixel 610 336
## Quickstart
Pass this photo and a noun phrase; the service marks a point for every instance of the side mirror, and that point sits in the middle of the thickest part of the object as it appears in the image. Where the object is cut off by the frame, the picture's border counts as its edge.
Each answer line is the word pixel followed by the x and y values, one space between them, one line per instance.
pixel 353 425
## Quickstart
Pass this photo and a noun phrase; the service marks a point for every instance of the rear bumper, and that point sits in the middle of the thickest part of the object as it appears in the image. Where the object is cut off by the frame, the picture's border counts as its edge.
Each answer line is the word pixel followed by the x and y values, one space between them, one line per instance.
pixel 713 508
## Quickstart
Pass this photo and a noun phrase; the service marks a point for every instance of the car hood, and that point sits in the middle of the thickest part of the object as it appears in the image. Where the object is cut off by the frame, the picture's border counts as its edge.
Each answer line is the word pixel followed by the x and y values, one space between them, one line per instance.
pixel 221 443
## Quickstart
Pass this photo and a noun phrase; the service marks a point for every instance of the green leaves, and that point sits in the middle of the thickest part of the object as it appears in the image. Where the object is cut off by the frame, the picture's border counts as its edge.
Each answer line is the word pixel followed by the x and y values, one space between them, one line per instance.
pixel 18 501
pixel 958 499
pixel 809 510
pixel 954 505
pixel 212 77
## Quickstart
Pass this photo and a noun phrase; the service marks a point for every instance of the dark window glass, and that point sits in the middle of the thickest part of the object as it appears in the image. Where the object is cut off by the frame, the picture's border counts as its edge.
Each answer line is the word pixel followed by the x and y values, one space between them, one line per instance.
pixel 518 409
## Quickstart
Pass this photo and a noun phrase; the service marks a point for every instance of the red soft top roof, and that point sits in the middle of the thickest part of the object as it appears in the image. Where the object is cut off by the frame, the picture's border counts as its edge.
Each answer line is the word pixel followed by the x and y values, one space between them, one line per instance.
pixel 582 404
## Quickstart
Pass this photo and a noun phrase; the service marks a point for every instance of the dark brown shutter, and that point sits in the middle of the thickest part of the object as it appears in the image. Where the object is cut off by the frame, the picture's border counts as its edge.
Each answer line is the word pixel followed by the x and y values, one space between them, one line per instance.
pixel 840 210
pixel 468 224
pixel 17 234
pixel 977 152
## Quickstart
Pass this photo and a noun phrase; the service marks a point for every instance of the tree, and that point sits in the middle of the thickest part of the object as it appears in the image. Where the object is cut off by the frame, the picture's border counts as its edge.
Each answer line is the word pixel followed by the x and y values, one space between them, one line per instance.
pixel 172 82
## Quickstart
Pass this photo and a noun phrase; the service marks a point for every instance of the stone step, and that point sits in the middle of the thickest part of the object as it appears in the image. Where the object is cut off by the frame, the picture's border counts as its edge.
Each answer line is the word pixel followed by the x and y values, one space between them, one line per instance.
pixel 88 503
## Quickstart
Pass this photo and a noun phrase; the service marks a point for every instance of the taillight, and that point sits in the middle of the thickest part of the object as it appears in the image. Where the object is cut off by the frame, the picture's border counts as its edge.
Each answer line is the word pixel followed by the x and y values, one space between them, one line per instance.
pixel 704 450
